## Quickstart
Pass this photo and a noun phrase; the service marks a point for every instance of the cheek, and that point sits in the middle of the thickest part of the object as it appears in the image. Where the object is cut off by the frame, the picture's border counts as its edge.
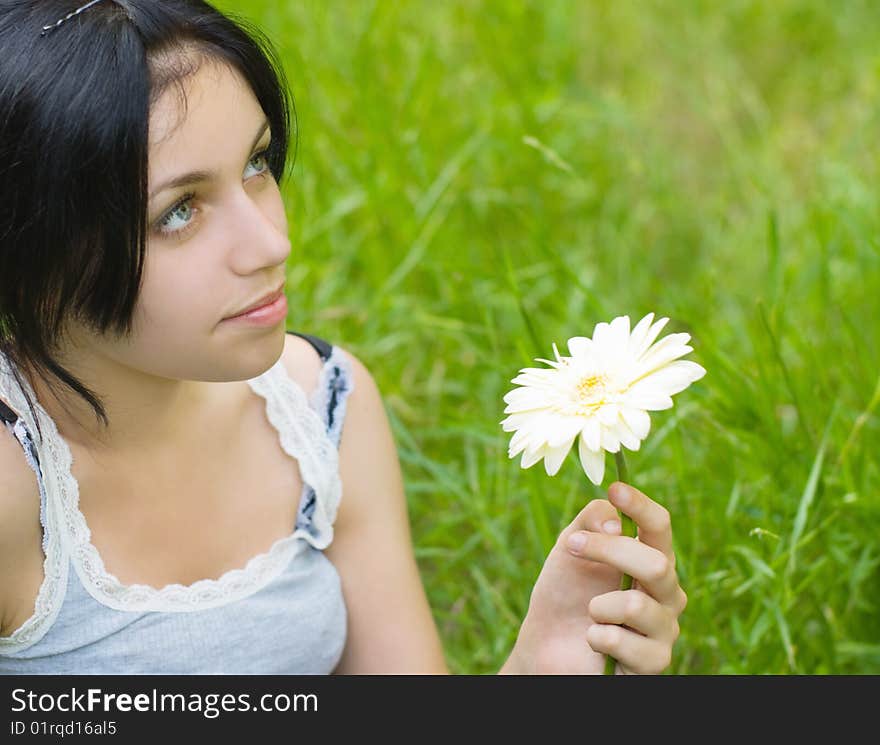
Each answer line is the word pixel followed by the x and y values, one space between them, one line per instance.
pixel 176 301
pixel 172 332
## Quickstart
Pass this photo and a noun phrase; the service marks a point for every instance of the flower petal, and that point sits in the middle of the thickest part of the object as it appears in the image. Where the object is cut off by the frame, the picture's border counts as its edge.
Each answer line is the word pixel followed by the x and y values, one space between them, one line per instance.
pixel 535 376
pixel 617 334
pixel 613 344
pixel 639 335
pixel 637 420
pixel 584 353
pixel 609 439
pixel 567 428
pixel 648 399
pixel 670 379
pixel 518 420
pixel 525 399
pixel 518 442
pixel 600 332
pixel 555 457
pixel 531 457
pixel 624 435
pixel 664 351
pixel 592 461
pixel 652 333
pixel 578 345
pixel 545 424
pixel 607 414
pixel 553 363
pixel 590 433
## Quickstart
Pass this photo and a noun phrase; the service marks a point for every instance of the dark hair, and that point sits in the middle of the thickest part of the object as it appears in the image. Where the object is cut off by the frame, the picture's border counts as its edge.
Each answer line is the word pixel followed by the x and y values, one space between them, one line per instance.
pixel 74 115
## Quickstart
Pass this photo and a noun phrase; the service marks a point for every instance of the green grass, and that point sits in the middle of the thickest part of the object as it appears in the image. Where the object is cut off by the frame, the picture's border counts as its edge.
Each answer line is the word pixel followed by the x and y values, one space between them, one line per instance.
pixel 478 180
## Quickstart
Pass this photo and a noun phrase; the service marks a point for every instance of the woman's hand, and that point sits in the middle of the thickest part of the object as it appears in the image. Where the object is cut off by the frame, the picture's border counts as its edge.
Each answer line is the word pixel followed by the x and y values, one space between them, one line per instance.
pixel 576 612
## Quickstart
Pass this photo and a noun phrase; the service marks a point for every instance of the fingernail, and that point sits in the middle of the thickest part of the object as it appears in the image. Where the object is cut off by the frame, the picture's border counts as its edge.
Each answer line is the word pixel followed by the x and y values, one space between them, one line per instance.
pixel 576 541
pixel 611 526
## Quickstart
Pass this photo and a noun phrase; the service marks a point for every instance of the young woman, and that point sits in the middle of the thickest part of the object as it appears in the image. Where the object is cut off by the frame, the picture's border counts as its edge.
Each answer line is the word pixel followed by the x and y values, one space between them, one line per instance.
pixel 160 441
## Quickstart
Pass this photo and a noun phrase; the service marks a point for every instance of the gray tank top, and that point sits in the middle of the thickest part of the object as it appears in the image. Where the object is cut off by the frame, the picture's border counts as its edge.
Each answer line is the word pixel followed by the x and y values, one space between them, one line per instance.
pixel 282 613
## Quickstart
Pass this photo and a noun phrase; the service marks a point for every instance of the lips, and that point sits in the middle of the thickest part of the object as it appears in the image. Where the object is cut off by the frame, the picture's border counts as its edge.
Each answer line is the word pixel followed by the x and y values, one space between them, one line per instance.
pixel 265 300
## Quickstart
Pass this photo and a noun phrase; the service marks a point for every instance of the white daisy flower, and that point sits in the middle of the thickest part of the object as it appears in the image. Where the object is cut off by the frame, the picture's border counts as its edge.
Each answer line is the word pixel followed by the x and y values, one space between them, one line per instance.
pixel 602 392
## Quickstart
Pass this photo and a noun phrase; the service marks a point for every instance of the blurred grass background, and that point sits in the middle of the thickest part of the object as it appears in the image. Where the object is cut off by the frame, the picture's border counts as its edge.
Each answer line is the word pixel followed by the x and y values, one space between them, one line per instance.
pixel 477 180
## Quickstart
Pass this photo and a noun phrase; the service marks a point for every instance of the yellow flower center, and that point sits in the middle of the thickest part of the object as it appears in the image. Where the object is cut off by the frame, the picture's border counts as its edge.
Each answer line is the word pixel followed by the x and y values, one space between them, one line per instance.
pixel 589 394
pixel 591 390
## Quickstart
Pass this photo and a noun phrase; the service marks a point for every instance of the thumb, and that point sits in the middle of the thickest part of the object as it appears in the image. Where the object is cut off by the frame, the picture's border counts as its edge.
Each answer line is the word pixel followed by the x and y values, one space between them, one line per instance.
pixel 599 516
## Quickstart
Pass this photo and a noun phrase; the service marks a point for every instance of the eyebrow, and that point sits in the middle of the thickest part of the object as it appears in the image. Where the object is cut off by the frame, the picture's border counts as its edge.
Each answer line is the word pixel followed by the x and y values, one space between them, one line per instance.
pixel 195 177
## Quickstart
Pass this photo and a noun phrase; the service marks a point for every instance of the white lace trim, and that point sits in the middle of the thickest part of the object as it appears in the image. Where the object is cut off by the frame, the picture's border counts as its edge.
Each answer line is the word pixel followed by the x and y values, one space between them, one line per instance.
pixel 49 598
pixel 302 435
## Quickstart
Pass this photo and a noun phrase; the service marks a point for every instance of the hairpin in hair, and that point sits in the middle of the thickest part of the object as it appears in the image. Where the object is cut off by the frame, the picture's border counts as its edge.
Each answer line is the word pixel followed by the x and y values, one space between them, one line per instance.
pixel 57 23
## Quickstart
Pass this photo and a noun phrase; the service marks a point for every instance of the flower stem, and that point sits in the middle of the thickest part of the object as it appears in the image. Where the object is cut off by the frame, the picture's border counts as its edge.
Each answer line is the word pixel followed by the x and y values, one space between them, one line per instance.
pixel 627 528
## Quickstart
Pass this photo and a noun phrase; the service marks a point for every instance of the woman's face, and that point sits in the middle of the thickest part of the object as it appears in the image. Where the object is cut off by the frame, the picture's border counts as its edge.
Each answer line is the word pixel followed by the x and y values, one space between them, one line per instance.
pixel 214 253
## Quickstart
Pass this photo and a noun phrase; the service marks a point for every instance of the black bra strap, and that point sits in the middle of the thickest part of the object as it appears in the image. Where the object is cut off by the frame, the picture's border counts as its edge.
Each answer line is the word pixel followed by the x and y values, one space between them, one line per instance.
pixel 7 414
pixel 322 347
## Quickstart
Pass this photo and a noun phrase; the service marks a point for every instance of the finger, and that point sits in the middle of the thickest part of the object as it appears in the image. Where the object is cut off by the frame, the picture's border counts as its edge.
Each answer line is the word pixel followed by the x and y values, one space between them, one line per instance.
pixel 655 525
pixel 633 651
pixel 639 611
pixel 653 569
pixel 599 515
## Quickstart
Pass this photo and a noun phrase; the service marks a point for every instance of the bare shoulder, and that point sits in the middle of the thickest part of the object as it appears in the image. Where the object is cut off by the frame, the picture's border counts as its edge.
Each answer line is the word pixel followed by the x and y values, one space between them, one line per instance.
pixel 365 428
pixel 19 517
pixel 369 466
pixel 366 431
pixel 301 361
pixel 304 366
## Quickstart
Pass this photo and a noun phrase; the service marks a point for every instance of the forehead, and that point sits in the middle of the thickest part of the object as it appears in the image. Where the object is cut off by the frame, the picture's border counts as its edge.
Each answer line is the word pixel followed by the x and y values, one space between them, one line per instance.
pixel 210 108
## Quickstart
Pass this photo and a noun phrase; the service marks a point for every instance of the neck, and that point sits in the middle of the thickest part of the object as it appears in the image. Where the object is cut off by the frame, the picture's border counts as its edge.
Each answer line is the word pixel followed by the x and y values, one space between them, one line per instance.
pixel 147 414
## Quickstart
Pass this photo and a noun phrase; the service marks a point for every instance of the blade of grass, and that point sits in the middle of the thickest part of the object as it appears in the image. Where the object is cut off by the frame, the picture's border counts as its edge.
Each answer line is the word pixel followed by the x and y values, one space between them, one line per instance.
pixel 514 286
pixel 777 353
pixel 808 494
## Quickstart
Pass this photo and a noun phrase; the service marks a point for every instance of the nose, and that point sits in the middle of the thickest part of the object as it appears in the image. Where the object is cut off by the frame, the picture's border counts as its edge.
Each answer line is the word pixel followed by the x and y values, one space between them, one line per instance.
pixel 258 231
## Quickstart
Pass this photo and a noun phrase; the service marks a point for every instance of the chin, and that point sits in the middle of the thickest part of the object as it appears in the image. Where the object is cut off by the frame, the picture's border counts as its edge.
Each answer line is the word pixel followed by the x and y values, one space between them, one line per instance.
pixel 263 353
pixel 246 358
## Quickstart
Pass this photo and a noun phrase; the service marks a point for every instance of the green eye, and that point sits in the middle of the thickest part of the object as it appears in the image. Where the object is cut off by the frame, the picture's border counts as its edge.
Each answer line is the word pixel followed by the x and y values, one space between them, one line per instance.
pixel 264 155
pixel 178 232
